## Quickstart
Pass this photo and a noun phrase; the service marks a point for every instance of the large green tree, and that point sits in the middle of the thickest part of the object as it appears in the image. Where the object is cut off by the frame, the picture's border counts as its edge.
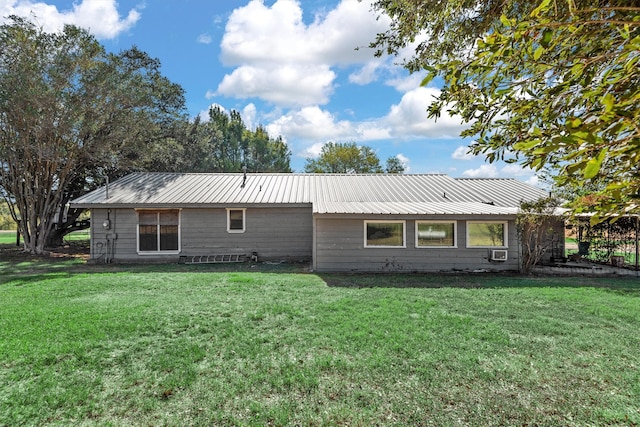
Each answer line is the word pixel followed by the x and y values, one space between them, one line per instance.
pixel 347 157
pixel 553 85
pixel 70 115
pixel 222 143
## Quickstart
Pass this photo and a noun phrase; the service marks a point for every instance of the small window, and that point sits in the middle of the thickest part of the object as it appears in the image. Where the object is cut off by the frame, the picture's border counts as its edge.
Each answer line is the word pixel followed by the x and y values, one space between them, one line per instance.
pixel 235 220
pixel 435 234
pixel 384 234
pixel 486 234
pixel 159 231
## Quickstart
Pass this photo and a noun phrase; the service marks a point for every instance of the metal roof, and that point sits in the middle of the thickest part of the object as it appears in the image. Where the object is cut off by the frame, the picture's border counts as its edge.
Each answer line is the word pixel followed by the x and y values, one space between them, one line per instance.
pixel 502 191
pixel 411 208
pixel 327 193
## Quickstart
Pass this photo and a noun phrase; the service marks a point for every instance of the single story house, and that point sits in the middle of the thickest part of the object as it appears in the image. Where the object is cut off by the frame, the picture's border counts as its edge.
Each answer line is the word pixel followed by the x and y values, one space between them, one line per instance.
pixel 338 222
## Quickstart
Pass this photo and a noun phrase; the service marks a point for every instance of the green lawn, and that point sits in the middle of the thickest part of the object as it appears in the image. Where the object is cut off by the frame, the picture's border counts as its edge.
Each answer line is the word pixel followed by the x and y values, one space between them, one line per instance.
pixel 195 345
pixel 9 237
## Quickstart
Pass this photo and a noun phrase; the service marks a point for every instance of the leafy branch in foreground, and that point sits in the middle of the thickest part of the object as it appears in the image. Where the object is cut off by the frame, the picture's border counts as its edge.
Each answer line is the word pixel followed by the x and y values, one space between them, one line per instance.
pixel 554 87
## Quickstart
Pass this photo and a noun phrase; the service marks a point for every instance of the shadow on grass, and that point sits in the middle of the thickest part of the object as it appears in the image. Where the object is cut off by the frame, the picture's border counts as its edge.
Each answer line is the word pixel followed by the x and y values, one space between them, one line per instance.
pixel 626 285
pixel 20 269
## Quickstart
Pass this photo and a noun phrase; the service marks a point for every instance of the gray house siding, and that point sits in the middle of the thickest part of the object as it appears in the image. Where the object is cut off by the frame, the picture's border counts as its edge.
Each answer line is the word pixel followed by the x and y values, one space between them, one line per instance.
pixel 318 217
pixel 278 233
pixel 339 246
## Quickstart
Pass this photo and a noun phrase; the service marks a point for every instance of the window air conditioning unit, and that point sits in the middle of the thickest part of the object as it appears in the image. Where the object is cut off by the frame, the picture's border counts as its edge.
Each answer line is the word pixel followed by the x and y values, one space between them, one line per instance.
pixel 499 255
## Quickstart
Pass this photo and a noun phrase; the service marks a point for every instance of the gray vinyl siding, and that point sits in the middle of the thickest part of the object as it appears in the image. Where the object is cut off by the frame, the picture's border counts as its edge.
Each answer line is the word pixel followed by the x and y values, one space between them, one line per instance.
pixel 339 246
pixel 277 233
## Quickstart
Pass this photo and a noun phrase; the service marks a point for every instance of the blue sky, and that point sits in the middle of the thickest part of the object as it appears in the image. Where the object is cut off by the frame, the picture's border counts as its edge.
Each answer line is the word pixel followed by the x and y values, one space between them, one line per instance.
pixel 290 66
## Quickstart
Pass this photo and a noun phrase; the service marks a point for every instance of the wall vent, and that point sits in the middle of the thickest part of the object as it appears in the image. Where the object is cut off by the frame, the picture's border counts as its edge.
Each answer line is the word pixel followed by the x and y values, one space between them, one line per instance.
pixel 499 255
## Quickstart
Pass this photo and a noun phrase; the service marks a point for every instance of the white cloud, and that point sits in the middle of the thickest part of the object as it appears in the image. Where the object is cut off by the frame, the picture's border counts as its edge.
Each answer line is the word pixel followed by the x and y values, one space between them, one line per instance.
pixel 248 115
pixel 285 61
pixel 462 153
pixel 366 74
pixel 287 85
pixel 409 118
pixel 312 151
pixel 405 162
pixel 257 33
pixel 514 169
pixel 371 131
pixel 406 83
pixel 507 171
pixel 204 39
pixel 310 124
pixel 484 171
pixel 100 17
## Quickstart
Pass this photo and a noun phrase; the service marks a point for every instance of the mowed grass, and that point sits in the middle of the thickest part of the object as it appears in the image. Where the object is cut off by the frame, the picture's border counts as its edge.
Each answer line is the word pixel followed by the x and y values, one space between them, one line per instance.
pixel 205 347
pixel 8 237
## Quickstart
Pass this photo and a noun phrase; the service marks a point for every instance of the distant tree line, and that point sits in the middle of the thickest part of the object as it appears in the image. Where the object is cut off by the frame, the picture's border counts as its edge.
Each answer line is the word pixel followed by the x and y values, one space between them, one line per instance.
pixel 222 143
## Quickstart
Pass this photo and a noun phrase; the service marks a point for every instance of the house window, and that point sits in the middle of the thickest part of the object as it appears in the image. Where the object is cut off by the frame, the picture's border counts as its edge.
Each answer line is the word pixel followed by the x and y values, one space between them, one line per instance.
pixel 384 234
pixel 159 231
pixel 435 234
pixel 236 220
pixel 486 234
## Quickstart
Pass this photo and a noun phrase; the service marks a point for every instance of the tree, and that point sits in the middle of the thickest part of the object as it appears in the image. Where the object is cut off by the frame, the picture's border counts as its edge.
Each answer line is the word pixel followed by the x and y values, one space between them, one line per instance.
pixel 394 165
pixel 70 115
pixel 344 158
pixel 534 224
pixel 551 85
pixel 224 144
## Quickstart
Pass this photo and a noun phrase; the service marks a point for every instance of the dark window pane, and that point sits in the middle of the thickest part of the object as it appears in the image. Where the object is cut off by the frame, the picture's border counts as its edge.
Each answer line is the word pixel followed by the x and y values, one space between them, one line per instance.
pixel 158 224
pixel 148 238
pixel 169 218
pixel 148 218
pixel 236 220
pixel 385 234
pixel 168 237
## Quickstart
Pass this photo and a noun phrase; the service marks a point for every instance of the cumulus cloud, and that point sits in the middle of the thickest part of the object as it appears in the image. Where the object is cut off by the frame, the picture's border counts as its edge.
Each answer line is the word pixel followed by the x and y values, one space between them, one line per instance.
pixel 311 124
pixel 204 39
pixel 409 117
pixel 286 85
pixel 249 114
pixel 312 151
pixel 100 17
pixel 283 60
pixel 405 83
pixel 484 171
pixel 257 33
pixel 462 153
pixel 517 170
pixel 366 74
pixel 405 162
pixel 508 171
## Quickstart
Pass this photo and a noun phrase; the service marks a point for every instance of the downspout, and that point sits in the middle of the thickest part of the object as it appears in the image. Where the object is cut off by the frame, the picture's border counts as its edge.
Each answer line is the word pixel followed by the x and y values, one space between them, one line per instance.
pixel 313 247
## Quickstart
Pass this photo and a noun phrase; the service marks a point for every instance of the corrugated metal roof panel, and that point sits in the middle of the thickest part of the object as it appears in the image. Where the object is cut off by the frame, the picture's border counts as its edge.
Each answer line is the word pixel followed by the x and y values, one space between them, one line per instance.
pixel 329 192
pixel 502 191
pixel 410 208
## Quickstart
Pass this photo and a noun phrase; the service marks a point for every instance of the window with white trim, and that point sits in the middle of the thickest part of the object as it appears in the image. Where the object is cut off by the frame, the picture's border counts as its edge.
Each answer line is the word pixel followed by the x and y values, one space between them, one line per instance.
pixel 384 234
pixel 158 231
pixel 486 234
pixel 236 220
pixel 436 234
